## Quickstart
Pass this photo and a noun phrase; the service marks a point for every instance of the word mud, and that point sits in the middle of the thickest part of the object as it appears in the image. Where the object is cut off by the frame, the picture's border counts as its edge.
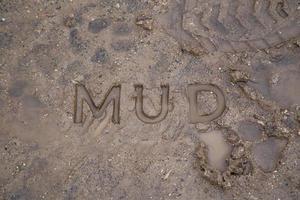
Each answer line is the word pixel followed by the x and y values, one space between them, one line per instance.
pixel 113 97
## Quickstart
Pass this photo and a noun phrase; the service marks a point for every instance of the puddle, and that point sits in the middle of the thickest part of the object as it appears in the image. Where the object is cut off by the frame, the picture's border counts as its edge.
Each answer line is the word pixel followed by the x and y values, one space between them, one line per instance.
pixel 268 153
pixel 250 131
pixel 218 149
pixel 286 91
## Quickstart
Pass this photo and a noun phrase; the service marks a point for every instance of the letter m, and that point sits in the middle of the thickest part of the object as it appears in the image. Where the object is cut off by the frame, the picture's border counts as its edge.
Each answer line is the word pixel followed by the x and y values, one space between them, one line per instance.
pixel 82 94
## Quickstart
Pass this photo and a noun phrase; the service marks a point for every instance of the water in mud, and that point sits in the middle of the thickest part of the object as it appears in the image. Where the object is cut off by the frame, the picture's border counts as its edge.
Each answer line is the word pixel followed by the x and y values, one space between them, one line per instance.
pixel 218 149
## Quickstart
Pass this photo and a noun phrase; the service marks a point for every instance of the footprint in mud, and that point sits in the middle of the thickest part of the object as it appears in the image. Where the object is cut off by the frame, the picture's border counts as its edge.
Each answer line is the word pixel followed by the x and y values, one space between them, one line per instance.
pixel 222 157
pixel 286 91
pixel 134 5
pixel 250 131
pixel 100 56
pixel 18 90
pixel 32 101
pixel 278 79
pixel 37 167
pixel 268 153
pixel 43 57
pixel 122 45
pixel 122 29
pixel 97 25
pixel 76 41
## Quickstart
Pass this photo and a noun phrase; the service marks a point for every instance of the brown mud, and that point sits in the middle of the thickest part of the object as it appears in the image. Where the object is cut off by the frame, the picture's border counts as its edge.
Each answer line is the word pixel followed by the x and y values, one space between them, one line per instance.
pixel 249 50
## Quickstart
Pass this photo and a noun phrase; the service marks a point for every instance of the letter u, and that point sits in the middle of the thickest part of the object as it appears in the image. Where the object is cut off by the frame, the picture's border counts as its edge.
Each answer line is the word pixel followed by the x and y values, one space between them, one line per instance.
pixel 139 105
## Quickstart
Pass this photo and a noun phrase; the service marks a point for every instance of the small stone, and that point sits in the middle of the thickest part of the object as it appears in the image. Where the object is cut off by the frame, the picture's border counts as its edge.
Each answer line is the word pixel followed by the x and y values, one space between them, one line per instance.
pixel 231 136
pixel 187 47
pixel 267 154
pixel 70 21
pixel 275 79
pixel 202 127
pixel 98 25
pixel 240 167
pixel 250 92
pixel 144 21
pixel 238 152
pixel 202 152
pixel 239 76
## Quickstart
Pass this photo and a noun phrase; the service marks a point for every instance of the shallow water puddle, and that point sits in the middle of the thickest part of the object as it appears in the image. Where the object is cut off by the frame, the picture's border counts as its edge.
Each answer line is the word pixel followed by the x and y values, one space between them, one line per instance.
pixel 218 149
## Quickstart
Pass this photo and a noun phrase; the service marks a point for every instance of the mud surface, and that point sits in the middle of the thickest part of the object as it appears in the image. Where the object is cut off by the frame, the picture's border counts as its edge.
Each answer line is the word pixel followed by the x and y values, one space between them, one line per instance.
pixel 153 50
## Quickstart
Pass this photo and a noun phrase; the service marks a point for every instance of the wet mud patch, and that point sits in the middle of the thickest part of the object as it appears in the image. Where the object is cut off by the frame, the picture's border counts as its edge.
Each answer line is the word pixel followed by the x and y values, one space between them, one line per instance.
pixel 218 149
pixel 268 153
pixel 76 41
pixel 122 29
pixel 276 77
pixel 42 58
pixel 122 45
pixel 32 101
pixel 231 158
pixel 5 40
pixel 250 131
pixel 99 24
pixel 285 88
pixel 17 88
pixel 100 56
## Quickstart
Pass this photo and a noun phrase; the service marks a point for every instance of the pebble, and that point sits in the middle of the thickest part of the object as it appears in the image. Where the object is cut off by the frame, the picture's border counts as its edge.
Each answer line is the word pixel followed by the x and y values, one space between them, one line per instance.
pixel 239 76
pixel 146 22
pixel 238 152
pixel 70 21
